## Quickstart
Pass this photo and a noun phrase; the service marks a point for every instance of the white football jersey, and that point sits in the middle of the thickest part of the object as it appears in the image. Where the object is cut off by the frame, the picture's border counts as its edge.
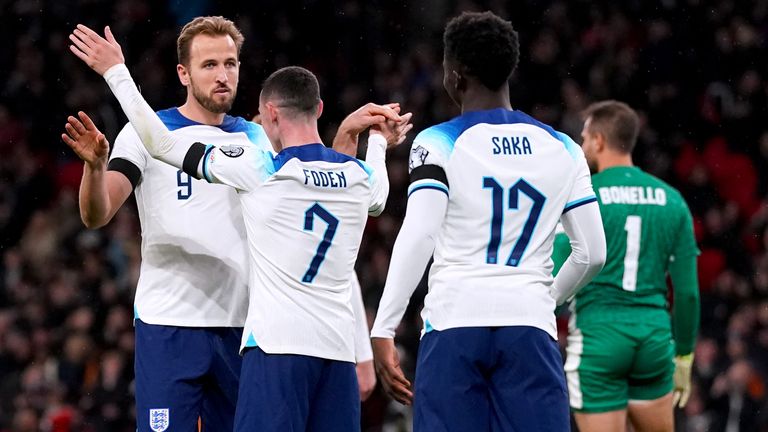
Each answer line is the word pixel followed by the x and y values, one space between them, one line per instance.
pixel 508 178
pixel 194 264
pixel 304 211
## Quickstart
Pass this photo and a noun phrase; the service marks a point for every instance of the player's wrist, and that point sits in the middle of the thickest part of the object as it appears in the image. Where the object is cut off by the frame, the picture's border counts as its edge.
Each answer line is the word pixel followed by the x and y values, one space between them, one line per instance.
pixel 115 69
pixel 376 138
pixel 97 166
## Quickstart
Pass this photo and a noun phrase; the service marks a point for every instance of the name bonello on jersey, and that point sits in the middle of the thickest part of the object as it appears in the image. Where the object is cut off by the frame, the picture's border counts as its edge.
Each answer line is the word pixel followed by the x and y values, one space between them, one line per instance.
pixel 632 195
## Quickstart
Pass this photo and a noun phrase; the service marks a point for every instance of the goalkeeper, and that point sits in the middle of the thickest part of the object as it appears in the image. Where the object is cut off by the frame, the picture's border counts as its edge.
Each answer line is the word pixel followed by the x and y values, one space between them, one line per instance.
pixel 625 357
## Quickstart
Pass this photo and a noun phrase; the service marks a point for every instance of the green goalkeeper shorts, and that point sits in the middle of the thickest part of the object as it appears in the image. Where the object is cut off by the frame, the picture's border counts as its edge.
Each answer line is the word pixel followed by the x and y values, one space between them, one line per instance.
pixel 610 363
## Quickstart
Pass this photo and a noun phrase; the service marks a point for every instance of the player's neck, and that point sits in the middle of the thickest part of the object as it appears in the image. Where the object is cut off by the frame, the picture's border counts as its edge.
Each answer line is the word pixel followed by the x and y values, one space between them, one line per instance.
pixel 480 98
pixel 195 112
pixel 298 134
pixel 612 160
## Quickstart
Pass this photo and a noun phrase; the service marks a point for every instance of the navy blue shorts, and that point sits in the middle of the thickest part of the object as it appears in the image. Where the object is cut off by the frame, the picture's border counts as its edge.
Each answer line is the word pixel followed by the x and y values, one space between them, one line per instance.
pixel 490 379
pixel 186 373
pixel 296 393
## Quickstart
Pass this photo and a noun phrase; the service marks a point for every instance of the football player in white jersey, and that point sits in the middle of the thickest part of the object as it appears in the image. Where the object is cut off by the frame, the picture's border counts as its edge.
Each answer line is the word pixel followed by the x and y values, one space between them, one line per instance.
pixel 487 190
pixel 192 294
pixel 304 211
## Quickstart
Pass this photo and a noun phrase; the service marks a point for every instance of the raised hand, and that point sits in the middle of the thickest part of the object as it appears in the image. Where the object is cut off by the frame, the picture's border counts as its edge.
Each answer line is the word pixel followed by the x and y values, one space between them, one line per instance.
pixel 98 53
pixel 392 377
pixel 394 131
pixel 85 139
pixel 360 120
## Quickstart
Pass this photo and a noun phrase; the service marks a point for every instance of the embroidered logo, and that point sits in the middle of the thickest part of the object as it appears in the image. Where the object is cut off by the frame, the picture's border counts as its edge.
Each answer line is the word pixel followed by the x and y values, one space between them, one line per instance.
pixel 418 156
pixel 232 151
pixel 159 419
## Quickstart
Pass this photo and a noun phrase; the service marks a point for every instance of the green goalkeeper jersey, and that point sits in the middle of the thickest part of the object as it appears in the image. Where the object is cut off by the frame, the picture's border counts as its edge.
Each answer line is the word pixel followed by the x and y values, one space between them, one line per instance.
pixel 648 227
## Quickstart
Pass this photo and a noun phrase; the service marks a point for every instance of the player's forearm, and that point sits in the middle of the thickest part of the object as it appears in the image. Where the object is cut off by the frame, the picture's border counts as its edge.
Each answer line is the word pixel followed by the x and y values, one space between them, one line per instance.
pixel 686 310
pixel 363 351
pixel 414 246
pixel 345 141
pixel 584 227
pixel 94 197
pixel 155 136
pixel 375 157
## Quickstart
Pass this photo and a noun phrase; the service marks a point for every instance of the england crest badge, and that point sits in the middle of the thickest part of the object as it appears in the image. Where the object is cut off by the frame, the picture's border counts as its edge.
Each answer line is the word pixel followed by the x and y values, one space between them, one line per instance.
pixel 232 151
pixel 159 419
pixel 418 156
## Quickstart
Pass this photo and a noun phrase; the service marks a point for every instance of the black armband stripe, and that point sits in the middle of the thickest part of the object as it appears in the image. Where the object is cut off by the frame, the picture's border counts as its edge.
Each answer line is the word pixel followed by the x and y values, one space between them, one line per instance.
pixel 429 172
pixel 127 168
pixel 192 159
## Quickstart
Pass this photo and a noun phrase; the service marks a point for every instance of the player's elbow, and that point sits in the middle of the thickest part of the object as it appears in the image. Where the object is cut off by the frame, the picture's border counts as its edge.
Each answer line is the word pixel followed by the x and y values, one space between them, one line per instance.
pixel 597 256
pixel 93 219
pixel 93 222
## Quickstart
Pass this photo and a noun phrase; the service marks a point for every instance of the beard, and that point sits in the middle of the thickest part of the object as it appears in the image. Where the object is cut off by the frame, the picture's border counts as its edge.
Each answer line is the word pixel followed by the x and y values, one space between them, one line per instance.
pixel 592 164
pixel 207 101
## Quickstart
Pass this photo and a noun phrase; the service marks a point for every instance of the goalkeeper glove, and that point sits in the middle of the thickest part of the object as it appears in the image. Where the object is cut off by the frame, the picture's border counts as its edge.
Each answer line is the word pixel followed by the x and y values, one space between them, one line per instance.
pixel 682 380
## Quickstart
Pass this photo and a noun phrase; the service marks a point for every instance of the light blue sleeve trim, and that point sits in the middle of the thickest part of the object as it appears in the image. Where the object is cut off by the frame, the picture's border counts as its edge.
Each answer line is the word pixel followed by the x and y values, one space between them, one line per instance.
pixel 257 136
pixel 428 326
pixel 368 170
pixel 572 148
pixel 208 149
pixel 251 342
pixel 578 203
pixel 437 138
pixel 436 186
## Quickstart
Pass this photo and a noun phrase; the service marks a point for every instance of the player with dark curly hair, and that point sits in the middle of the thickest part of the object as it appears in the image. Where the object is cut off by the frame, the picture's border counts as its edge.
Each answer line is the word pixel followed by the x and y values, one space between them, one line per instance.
pixel 487 190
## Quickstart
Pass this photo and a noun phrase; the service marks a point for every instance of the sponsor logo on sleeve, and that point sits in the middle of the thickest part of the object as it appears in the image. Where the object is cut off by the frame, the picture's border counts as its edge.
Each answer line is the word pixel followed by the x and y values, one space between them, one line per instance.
pixel 232 151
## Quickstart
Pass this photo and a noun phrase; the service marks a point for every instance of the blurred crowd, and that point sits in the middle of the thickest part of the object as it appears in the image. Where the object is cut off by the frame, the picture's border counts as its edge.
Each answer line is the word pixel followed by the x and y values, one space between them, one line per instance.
pixel 695 70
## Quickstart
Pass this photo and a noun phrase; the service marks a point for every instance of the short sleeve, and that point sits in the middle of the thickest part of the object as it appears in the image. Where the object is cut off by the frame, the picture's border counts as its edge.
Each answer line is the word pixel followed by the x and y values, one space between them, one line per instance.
pixel 429 156
pixel 581 192
pixel 129 155
pixel 242 167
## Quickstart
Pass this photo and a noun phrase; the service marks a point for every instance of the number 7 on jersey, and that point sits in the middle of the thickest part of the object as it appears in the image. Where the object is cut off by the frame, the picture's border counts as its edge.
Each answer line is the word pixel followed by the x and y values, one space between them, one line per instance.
pixel 309 222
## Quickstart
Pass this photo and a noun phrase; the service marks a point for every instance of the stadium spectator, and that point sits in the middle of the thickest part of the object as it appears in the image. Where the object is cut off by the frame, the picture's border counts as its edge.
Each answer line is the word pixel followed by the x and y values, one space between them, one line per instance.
pixel 696 72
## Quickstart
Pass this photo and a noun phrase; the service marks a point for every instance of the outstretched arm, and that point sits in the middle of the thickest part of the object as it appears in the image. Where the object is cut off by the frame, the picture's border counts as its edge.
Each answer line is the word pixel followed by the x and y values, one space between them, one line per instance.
pixel 106 57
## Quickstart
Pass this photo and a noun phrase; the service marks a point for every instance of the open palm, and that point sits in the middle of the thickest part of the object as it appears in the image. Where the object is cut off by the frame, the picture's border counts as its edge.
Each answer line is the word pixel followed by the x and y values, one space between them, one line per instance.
pixel 85 139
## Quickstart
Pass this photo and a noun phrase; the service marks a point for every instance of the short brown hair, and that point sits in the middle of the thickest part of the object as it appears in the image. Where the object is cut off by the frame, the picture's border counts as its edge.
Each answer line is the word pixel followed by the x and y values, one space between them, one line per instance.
pixel 616 121
pixel 294 88
pixel 209 25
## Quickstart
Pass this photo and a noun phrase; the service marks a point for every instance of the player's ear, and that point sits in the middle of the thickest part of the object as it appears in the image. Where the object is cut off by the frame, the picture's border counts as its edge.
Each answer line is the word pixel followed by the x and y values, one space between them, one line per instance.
pixel 272 111
pixel 183 74
pixel 599 140
pixel 319 109
pixel 461 80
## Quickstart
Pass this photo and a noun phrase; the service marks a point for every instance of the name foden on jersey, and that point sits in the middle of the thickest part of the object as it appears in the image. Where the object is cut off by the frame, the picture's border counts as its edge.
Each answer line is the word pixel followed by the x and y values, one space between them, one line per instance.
pixel 329 179
pixel 633 195
pixel 512 145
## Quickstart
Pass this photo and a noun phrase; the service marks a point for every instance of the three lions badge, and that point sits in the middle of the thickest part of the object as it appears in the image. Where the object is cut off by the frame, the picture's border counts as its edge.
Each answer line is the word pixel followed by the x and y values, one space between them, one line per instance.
pixel 159 419
pixel 418 156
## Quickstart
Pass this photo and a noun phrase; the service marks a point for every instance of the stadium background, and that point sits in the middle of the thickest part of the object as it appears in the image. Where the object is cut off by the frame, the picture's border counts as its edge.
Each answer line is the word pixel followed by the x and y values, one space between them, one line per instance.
pixel 695 69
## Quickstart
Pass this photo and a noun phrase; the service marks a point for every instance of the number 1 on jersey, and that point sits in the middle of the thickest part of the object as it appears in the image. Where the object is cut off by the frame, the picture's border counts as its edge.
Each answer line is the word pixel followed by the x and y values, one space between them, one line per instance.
pixel 633 226
pixel 330 231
